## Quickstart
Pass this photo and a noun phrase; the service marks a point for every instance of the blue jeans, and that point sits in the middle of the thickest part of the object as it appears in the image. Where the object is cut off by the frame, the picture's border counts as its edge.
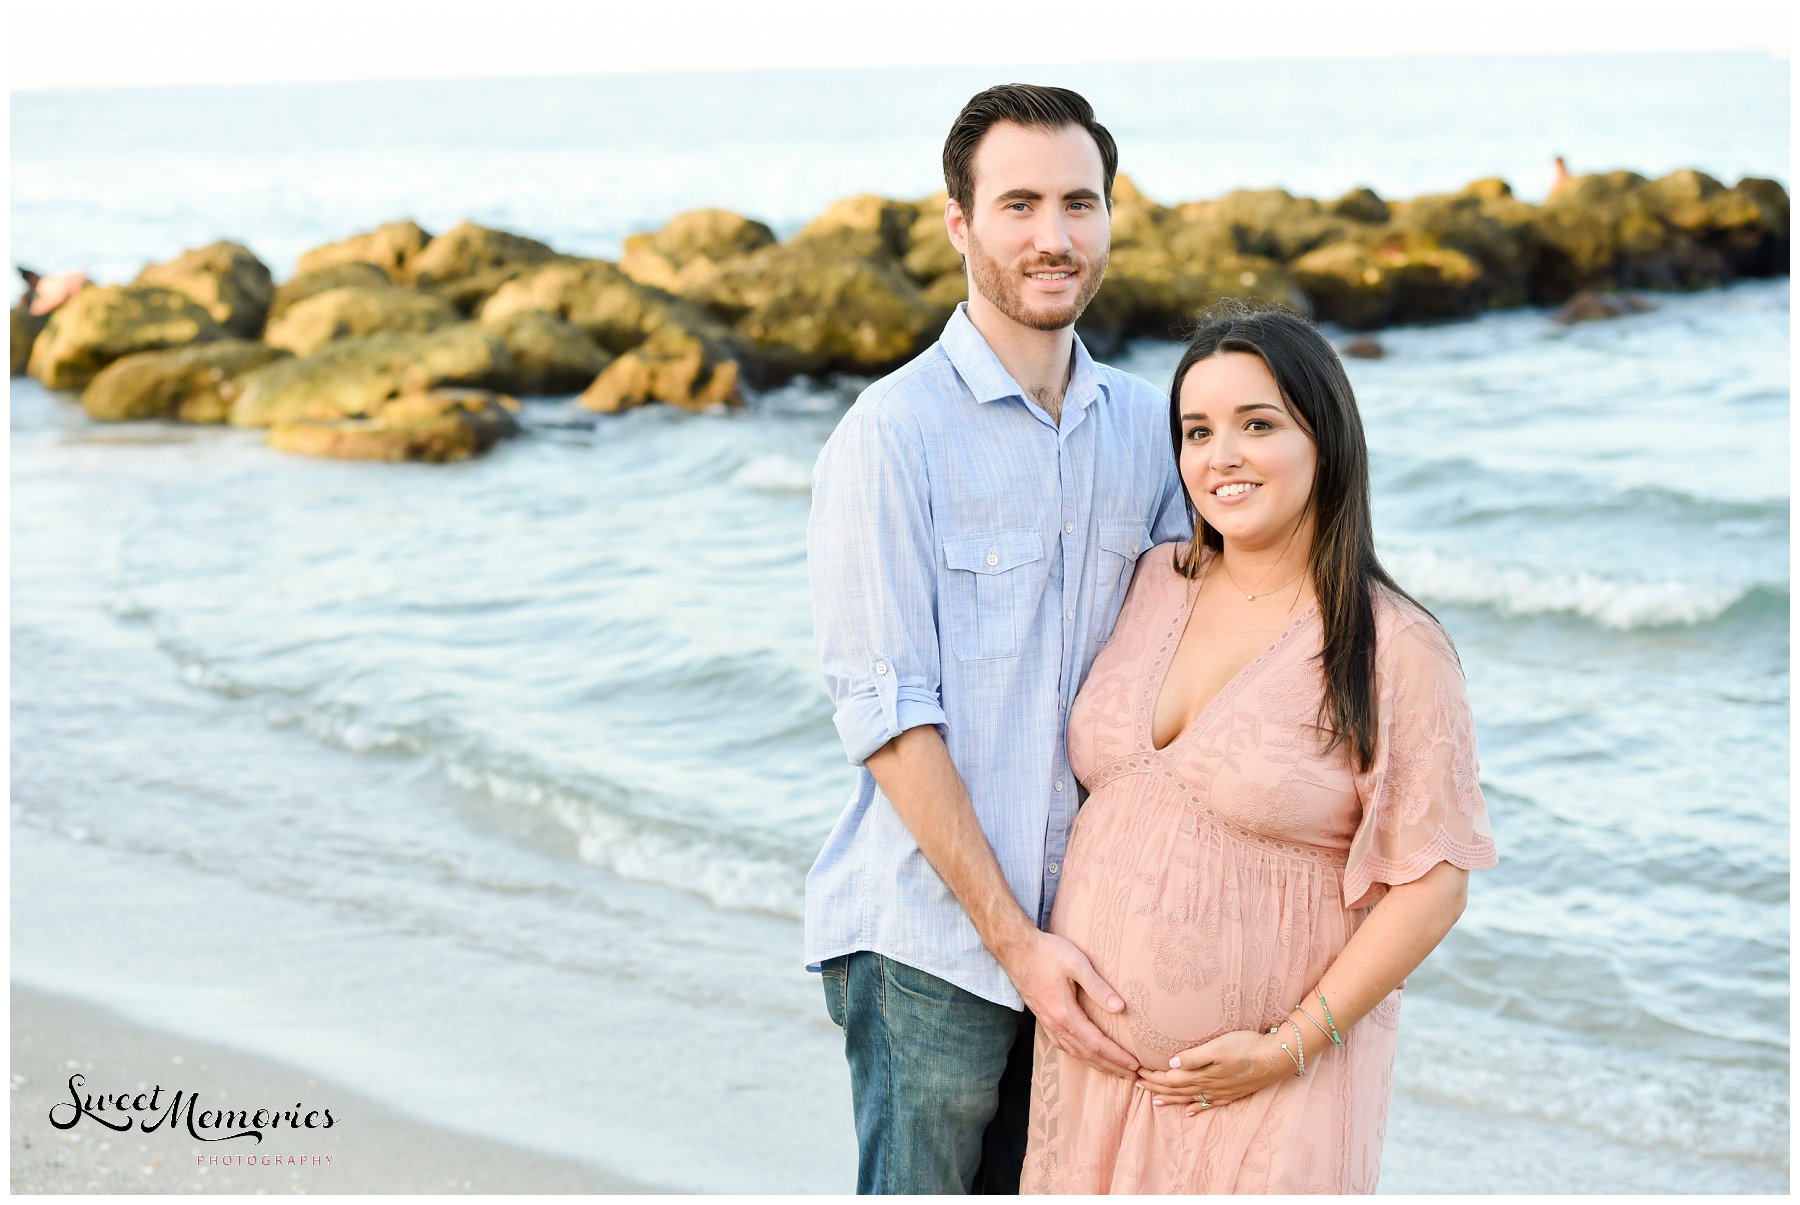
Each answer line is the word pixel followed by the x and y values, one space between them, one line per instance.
pixel 940 1079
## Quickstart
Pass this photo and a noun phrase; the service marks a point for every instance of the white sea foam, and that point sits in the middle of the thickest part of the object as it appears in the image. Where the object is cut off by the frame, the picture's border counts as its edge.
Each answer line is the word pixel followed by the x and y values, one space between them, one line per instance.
pixel 716 871
pixel 1515 590
pixel 728 870
pixel 775 474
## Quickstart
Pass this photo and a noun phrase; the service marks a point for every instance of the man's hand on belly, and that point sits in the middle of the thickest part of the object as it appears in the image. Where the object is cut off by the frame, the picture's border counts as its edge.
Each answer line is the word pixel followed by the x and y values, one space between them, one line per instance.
pixel 1047 969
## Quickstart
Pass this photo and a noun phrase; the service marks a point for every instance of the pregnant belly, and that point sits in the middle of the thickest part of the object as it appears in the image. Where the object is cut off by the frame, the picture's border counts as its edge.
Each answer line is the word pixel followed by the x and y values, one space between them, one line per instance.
pixel 1199 937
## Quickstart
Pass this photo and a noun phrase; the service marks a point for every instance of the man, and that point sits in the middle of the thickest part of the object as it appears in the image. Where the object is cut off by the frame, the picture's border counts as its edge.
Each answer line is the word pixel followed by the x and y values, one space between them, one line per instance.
pixel 976 518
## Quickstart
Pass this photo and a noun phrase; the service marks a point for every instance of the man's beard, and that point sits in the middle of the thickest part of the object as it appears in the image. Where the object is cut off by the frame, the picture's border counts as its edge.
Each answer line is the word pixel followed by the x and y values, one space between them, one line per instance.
pixel 1004 290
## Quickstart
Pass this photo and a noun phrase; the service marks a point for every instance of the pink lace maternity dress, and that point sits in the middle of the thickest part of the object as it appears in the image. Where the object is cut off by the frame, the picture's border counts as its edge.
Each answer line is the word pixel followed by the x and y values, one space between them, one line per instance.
pixel 1214 881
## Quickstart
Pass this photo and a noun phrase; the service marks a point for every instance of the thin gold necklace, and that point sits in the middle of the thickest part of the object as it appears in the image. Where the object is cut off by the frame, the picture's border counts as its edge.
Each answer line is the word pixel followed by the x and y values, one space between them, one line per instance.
pixel 1253 597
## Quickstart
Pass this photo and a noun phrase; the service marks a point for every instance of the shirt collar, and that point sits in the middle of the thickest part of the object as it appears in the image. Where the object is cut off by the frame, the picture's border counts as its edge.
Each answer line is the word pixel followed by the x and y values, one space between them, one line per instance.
pixel 988 379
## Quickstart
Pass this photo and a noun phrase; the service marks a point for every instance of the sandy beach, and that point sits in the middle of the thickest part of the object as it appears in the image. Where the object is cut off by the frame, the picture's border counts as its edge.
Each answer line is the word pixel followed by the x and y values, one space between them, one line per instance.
pixel 370 1148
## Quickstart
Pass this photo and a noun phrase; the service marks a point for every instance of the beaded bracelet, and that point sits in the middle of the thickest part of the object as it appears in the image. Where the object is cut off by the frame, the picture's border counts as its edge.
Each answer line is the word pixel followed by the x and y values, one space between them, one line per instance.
pixel 1337 1039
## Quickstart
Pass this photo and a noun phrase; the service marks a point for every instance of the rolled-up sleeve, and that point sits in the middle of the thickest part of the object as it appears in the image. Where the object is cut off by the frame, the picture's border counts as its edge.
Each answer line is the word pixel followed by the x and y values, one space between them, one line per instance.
pixel 869 554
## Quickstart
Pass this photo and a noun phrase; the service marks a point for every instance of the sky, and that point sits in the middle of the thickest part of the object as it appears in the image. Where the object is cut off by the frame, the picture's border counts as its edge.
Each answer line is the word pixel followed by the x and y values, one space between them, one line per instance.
pixel 90 43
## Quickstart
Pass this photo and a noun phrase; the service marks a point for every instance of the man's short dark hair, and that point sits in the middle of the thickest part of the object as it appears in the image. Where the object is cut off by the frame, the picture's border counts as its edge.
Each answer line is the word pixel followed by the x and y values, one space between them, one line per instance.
pixel 1030 105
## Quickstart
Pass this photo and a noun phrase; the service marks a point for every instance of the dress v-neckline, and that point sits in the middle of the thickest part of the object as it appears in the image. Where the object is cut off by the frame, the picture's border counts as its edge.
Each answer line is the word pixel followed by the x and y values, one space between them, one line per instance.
pixel 1248 670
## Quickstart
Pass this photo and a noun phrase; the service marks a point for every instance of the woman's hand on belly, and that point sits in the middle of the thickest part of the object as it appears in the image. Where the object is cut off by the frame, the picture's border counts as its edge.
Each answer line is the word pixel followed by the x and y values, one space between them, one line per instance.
pixel 1230 1067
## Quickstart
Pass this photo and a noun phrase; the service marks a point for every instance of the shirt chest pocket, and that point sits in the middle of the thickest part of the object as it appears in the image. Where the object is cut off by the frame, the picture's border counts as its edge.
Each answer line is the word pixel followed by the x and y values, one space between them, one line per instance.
pixel 1120 542
pixel 991 592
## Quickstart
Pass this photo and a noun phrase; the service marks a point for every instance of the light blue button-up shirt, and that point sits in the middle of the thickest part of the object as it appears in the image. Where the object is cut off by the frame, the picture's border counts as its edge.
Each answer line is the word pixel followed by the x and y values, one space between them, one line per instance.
pixel 968 558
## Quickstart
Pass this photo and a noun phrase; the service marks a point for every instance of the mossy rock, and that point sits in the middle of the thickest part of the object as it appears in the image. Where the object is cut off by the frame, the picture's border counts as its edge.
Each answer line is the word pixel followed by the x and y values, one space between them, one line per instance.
pixel 683 255
pixel 104 323
pixel 947 291
pixel 1606 232
pixel 1747 226
pixel 1595 191
pixel 1772 197
pixel 1274 224
pixel 549 356
pixel 1488 188
pixel 189 385
pixel 670 367
pixel 467 264
pixel 26 327
pixel 1196 238
pixel 881 228
pixel 601 301
pixel 1363 285
pixel 353 311
pixel 393 248
pixel 229 282
pixel 468 249
pixel 1360 205
pixel 1164 292
pixel 468 294
pixel 710 234
pixel 807 308
pixel 337 276
pixel 1764 249
pixel 355 378
pixel 1495 231
pixel 1136 219
pixel 930 254
pixel 1109 319
pixel 437 426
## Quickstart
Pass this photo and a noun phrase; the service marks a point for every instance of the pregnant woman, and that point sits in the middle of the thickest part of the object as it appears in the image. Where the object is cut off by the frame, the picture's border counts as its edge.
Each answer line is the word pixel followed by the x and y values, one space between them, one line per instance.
pixel 1283 810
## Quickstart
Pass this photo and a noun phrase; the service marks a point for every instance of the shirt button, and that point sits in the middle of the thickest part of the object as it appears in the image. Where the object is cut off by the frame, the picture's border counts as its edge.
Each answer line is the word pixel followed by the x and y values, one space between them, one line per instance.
pixel 1068 529
pixel 1059 784
pixel 1053 868
pixel 881 667
pixel 992 559
pixel 1068 615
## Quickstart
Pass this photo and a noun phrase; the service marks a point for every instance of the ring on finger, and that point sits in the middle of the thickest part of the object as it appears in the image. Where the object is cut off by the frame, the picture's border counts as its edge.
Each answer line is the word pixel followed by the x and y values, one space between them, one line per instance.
pixel 1204 1103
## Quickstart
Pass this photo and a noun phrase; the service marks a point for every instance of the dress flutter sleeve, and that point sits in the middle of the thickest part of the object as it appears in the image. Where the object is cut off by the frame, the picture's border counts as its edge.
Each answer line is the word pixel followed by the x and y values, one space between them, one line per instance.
pixel 1421 800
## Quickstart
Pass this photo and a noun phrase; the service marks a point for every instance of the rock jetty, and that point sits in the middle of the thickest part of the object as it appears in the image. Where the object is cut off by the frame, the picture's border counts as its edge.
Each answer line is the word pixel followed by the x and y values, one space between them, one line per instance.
pixel 401 344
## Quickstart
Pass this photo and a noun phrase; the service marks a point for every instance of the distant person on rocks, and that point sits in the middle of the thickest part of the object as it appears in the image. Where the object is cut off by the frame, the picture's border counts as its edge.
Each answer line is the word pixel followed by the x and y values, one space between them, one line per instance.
pixel 976 519
pixel 44 293
pixel 1559 175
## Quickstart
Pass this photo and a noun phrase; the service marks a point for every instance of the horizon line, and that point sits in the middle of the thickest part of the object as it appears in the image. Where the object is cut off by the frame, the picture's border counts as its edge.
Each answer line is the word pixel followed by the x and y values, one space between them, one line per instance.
pixel 1772 53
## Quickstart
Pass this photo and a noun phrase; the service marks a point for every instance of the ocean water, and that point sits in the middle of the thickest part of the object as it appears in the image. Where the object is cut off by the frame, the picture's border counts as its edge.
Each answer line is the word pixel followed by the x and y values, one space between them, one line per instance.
pixel 491 788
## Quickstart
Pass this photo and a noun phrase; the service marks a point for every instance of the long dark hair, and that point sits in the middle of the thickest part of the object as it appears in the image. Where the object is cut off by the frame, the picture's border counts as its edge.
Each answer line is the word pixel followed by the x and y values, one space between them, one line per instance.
pixel 1342 561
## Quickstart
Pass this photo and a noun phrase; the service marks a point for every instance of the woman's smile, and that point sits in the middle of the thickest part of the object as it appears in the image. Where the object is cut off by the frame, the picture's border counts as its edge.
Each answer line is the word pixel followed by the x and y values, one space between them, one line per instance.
pixel 1233 492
